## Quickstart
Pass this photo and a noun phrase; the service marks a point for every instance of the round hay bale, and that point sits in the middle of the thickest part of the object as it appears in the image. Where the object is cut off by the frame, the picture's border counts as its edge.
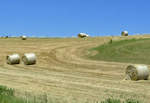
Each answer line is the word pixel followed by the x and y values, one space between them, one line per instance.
pixel 137 72
pixel 82 35
pixel 23 37
pixel 124 33
pixel 29 58
pixel 13 59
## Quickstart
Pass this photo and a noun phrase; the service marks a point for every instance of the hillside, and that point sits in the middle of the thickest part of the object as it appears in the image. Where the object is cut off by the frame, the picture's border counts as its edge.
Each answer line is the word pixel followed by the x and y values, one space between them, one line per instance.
pixel 63 71
pixel 126 51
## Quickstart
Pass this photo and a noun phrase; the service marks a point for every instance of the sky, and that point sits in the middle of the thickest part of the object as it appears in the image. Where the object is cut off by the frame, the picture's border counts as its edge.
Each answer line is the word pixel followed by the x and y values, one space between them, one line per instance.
pixel 67 18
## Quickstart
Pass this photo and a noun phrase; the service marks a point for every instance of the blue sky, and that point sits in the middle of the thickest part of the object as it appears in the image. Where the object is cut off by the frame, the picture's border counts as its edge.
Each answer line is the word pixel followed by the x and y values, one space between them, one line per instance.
pixel 66 18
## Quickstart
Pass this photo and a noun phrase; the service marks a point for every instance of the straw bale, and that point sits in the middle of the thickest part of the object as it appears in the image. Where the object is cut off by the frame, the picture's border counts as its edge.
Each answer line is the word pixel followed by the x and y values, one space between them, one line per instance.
pixel 137 72
pixel 13 59
pixel 29 58
pixel 23 37
pixel 124 33
pixel 82 35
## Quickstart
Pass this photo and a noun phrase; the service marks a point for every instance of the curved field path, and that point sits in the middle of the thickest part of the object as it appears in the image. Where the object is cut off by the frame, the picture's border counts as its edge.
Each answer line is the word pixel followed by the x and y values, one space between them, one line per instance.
pixel 62 70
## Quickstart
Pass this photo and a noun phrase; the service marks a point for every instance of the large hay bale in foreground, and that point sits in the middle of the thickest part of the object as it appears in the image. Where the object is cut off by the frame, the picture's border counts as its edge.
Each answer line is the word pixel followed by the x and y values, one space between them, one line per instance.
pixel 137 72
pixel 13 59
pixel 124 33
pixel 23 37
pixel 29 58
pixel 83 35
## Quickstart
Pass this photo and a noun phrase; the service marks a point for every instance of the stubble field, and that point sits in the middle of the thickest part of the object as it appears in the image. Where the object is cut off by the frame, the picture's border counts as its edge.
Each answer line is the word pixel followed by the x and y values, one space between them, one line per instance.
pixel 64 72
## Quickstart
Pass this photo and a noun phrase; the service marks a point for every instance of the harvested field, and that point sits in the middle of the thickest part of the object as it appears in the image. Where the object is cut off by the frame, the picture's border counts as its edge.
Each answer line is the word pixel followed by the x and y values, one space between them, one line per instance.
pixel 61 71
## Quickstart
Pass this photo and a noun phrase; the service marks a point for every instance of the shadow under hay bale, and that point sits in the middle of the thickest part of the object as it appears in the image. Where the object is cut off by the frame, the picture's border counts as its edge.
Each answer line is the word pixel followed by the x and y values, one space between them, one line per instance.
pixel 29 58
pixel 137 72
pixel 124 33
pixel 13 59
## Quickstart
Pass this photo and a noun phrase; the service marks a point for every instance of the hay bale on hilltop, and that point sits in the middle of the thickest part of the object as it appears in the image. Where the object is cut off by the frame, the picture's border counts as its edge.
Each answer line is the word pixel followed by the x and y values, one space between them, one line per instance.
pixel 137 72
pixel 23 37
pixel 83 35
pixel 13 59
pixel 124 33
pixel 29 58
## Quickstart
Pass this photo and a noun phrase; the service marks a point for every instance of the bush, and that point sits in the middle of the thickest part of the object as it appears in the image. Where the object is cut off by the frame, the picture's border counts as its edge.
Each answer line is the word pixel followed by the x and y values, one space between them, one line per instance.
pixel 7 96
pixel 132 101
pixel 6 91
pixel 111 100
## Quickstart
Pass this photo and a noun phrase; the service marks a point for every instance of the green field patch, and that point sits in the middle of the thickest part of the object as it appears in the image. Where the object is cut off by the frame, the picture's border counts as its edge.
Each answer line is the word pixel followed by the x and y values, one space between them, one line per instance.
pixel 129 51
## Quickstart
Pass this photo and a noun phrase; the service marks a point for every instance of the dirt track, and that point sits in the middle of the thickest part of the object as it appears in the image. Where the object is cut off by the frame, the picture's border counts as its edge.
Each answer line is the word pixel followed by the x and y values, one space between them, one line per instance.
pixel 62 70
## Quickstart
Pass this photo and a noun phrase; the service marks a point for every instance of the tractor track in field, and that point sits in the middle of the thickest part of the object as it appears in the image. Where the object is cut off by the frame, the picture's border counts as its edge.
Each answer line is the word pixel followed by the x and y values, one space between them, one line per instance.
pixel 63 71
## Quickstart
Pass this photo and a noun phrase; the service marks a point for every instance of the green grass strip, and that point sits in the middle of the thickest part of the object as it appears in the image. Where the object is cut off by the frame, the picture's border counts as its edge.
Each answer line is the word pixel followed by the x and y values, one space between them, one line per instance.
pixel 130 51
